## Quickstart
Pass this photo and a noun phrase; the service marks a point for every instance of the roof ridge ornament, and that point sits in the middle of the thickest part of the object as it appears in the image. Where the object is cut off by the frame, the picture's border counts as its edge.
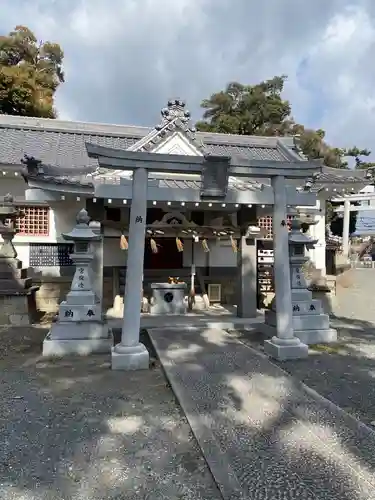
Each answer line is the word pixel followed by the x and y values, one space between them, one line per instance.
pixel 32 164
pixel 175 110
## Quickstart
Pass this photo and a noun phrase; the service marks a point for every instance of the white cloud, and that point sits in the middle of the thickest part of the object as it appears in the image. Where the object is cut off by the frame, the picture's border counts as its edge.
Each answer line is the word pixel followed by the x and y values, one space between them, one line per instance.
pixel 125 58
pixel 341 64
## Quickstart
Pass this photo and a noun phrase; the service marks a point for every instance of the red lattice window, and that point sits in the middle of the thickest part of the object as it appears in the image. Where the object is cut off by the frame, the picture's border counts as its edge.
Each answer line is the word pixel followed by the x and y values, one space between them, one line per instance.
pixel 266 223
pixel 35 221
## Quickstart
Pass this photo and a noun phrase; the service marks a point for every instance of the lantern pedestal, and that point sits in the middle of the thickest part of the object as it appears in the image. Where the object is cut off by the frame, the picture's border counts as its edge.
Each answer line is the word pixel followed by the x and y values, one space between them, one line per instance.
pixel 79 328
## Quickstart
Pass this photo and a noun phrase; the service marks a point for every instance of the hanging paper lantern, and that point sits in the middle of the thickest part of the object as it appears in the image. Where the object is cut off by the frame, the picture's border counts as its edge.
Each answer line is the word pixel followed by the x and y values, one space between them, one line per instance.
pixel 154 247
pixel 179 245
pixel 123 243
pixel 233 242
pixel 205 246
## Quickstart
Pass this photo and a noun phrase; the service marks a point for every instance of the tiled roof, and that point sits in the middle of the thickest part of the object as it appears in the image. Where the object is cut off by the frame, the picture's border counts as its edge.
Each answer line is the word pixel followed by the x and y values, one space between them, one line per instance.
pixel 61 148
pixel 341 176
pixel 62 144
pixel 253 153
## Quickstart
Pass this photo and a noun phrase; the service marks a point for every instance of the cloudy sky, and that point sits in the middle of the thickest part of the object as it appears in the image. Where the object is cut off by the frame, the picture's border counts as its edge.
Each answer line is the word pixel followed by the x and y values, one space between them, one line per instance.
pixel 125 58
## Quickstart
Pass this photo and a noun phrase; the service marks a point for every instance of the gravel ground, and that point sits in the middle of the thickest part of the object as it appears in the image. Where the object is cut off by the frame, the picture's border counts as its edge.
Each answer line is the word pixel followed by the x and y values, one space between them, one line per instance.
pixel 72 429
pixel 343 373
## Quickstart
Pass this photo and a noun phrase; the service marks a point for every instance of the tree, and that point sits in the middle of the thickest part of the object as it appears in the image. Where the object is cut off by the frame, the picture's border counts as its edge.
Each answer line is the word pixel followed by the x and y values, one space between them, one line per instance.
pixel 357 154
pixel 260 110
pixel 30 73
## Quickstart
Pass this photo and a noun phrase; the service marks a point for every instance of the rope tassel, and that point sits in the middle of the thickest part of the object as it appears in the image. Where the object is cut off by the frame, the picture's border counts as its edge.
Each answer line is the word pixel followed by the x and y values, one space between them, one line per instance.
pixel 123 243
pixel 233 242
pixel 179 245
pixel 154 247
pixel 205 246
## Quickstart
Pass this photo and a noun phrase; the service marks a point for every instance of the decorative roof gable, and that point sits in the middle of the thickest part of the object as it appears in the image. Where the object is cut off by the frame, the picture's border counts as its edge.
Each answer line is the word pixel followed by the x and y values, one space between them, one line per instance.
pixel 174 118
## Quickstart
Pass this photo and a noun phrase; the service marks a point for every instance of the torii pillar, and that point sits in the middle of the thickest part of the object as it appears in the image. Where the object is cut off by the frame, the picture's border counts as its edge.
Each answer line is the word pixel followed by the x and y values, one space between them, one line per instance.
pixel 130 354
pixel 284 345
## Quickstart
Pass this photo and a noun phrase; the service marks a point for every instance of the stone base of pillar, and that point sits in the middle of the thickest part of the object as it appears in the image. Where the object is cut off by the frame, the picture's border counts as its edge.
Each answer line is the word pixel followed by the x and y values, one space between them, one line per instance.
pixel 80 347
pixel 130 358
pixel 309 337
pixel 283 350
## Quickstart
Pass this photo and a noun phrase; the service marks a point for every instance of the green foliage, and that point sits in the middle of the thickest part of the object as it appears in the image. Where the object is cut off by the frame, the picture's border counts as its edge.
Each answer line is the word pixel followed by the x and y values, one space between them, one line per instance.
pixel 30 73
pixel 357 153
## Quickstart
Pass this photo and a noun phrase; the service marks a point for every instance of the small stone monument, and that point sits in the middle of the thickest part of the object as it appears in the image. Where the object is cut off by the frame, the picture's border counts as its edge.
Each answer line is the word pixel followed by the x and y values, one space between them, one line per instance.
pixel 79 328
pixel 310 324
pixel 17 295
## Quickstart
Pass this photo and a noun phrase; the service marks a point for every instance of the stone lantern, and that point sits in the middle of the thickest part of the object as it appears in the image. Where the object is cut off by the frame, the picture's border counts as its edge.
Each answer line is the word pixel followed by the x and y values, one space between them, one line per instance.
pixel 310 324
pixel 7 215
pixel 79 328
pixel 298 242
pixel 17 295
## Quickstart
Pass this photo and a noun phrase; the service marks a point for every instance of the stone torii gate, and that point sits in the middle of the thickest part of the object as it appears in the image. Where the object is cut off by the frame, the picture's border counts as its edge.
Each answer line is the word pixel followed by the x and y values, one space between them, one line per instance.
pixel 215 171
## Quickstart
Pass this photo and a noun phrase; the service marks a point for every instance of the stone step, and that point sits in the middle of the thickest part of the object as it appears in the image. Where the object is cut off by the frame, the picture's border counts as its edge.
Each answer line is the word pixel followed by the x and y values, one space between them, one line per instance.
pixel 301 295
pixel 310 337
pixel 311 322
pixel 302 322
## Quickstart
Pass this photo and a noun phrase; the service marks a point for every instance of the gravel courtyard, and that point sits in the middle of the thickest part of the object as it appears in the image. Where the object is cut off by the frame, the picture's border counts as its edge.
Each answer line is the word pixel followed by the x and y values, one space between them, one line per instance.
pixel 344 373
pixel 73 429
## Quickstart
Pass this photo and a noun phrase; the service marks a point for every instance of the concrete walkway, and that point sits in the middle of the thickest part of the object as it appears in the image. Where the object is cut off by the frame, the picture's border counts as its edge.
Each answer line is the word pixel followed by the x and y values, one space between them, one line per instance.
pixel 264 435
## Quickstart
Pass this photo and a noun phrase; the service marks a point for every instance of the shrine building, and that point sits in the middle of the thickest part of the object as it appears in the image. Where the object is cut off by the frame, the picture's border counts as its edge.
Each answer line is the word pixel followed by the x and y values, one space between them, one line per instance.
pixel 186 233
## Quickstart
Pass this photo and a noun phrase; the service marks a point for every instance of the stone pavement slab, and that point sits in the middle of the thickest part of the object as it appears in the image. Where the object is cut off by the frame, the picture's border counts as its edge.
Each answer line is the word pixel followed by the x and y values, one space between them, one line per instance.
pixel 72 429
pixel 264 435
